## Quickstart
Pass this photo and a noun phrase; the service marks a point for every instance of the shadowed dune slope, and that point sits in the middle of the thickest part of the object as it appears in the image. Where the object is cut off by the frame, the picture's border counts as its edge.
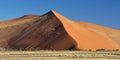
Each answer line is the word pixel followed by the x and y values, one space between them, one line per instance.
pixel 52 31
pixel 42 33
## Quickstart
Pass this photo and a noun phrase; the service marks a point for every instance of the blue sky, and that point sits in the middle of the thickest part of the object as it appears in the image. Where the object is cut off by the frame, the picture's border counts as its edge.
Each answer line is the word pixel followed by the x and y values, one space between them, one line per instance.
pixel 102 12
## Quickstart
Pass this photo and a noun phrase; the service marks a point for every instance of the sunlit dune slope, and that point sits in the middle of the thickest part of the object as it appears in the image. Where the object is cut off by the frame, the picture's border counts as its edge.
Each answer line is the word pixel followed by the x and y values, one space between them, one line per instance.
pixel 111 33
pixel 52 31
pixel 86 39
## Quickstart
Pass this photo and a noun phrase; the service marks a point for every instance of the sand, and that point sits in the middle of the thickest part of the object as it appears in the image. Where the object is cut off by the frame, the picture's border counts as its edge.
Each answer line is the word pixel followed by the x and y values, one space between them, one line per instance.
pixel 53 31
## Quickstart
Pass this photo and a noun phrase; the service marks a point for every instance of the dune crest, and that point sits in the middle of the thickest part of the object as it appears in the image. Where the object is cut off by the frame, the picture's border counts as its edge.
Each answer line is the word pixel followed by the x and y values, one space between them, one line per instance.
pixel 53 31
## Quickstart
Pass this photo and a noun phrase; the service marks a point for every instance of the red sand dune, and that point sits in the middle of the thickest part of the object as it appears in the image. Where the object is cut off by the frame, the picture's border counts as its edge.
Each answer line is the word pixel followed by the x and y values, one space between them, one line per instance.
pixel 52 31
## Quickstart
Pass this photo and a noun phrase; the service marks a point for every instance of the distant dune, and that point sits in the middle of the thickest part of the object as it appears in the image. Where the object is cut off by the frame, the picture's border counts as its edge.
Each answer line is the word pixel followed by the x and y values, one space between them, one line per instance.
pixel 53 31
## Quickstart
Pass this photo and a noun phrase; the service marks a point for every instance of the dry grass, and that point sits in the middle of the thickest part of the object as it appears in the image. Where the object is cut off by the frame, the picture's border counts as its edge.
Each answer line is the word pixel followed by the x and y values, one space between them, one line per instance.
pixel 59 55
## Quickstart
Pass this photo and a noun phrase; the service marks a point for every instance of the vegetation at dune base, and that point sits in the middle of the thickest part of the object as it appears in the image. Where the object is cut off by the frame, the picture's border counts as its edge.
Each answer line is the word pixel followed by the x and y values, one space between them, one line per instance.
pixel 95 50
pixel 107 50
pixel 3 49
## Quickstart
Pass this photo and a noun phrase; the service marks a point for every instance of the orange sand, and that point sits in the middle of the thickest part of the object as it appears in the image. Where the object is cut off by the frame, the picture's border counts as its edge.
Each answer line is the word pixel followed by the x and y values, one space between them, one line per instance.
pixel 55 32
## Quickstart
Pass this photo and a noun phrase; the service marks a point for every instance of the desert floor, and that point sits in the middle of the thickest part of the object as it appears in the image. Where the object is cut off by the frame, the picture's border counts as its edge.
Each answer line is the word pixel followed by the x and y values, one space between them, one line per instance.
pixel 59 55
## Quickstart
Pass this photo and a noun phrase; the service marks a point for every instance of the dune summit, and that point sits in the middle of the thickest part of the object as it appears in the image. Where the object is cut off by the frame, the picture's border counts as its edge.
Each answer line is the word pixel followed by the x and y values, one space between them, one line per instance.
pixel 53 31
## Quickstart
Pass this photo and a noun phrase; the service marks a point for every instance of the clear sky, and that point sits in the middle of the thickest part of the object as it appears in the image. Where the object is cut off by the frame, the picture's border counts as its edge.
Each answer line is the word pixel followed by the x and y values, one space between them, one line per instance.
pixel 102 12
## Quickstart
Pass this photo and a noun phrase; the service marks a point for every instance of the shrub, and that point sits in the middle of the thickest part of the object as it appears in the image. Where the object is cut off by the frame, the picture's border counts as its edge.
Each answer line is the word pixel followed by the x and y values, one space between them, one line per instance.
pixel 90 49
pixel 116 50
pixel 100 50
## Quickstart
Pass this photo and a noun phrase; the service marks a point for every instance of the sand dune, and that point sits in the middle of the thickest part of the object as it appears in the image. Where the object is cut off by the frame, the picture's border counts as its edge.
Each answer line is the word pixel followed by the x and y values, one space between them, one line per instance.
pixel 53 31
